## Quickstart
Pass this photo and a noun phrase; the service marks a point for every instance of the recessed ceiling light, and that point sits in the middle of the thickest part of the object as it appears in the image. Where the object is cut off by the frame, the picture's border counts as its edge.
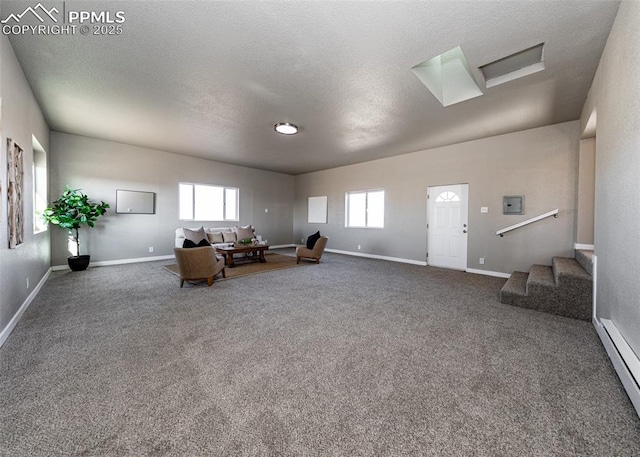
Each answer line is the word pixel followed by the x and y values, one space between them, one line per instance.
pixel 286 128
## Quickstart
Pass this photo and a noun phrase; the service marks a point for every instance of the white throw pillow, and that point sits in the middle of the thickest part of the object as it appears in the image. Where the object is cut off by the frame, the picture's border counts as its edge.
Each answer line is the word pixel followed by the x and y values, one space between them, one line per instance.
pixel 195 235
pixel 244 233
pixel 229 237
pixel 215 237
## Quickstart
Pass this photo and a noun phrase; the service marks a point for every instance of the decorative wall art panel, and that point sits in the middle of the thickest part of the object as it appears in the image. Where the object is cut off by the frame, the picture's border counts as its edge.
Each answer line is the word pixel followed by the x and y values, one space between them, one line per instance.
pixel 15 206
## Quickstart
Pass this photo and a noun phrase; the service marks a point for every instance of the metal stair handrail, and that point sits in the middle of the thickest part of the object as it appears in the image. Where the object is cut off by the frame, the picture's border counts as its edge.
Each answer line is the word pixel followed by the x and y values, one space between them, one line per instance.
pixel 553 213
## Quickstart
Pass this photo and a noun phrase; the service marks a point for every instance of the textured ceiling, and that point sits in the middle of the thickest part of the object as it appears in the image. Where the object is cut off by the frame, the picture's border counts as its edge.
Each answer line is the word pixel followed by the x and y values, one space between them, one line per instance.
pixel 209 79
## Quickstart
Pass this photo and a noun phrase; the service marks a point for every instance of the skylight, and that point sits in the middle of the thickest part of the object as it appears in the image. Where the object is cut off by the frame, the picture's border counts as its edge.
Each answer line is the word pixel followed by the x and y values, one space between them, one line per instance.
pixel 448 77
pixel 514 66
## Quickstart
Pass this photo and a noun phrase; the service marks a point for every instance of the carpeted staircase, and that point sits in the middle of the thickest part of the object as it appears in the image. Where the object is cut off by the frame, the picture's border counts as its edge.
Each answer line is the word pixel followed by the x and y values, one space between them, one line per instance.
pixel 565 288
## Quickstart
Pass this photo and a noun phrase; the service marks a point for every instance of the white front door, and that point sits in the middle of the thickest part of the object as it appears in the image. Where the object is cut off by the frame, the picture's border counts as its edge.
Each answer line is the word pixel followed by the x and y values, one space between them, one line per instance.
pixel 447 226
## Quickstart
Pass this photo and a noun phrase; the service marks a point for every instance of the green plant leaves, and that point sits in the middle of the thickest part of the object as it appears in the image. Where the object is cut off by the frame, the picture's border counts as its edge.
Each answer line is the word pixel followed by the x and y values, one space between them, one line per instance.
pixel 74 209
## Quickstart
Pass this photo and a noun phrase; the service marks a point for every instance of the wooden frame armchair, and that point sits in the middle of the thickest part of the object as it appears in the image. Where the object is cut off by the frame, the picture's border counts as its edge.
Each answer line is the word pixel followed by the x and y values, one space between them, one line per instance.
pixel 302 252
pixel 198 264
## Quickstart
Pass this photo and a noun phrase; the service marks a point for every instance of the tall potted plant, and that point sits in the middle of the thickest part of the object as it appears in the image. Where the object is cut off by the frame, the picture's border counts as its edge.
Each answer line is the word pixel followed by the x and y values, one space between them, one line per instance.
pixel 71 211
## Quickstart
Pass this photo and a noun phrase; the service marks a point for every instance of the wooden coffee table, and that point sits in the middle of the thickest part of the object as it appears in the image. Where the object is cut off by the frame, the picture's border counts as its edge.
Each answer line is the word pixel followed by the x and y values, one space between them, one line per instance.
pixel 255 253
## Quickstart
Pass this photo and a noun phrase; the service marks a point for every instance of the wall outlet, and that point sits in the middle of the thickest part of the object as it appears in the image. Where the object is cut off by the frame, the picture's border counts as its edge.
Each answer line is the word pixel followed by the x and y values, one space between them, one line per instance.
pixel 27 283
pixel 358 247
pixel 150 248
pixel 481 261
pixel 302 240
pixel 484 209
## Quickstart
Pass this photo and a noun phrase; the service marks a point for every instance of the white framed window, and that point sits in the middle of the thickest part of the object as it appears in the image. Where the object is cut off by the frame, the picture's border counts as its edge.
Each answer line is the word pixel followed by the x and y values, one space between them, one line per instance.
pixel 202 202
pixel 447 197
pixel 39 174
pixel 365 209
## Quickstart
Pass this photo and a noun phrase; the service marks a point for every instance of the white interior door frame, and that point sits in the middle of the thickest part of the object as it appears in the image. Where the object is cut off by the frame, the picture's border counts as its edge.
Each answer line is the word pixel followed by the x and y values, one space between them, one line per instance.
pixel 447 226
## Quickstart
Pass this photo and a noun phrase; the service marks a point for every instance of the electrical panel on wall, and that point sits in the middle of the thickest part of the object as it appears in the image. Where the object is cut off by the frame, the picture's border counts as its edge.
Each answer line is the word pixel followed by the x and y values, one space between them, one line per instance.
pixel 513 204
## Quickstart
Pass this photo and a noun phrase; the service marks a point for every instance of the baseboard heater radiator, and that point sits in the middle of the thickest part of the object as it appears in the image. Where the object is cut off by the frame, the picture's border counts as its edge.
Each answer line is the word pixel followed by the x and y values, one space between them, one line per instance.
pixel 625 361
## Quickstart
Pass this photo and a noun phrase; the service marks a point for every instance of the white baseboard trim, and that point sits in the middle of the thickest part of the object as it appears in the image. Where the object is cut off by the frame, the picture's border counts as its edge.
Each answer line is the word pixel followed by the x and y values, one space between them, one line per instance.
pixel 625 362
pixel 16 318
pixel 414 262
pixel 591 247
pixel 378 257
pixel 105 263
pixel 496 274
pixel 595 287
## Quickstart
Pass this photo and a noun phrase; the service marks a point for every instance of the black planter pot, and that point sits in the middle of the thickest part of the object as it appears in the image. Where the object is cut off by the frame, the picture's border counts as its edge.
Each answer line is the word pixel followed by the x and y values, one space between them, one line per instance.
pixel 79 263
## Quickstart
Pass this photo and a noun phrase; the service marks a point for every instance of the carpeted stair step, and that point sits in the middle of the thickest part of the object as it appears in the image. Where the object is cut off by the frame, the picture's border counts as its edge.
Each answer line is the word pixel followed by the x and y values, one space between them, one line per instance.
pixel 575 288
pixel 514 288
pixel 564 289
pixel 540 280
pixel 568 272
pixel 514 291
pixel 585 258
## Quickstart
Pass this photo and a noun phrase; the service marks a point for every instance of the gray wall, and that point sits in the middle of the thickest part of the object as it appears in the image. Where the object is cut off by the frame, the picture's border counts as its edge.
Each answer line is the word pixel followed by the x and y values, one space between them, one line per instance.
pixel 586 191
pixel 21 118
pixel 100 167
pixel 614 94
pixel 538 163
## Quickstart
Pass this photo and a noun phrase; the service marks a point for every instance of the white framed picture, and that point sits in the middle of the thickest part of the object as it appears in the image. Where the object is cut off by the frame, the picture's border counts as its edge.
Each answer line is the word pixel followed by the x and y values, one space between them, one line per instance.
pixel 317 210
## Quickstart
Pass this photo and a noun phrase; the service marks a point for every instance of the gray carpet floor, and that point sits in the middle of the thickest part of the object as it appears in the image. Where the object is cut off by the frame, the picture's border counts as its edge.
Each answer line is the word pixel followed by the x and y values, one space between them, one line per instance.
pixel 351 357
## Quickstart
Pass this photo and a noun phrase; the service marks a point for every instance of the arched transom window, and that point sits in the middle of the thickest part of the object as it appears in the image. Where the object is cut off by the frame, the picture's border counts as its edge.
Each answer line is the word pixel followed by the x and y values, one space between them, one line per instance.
pixel 447 196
